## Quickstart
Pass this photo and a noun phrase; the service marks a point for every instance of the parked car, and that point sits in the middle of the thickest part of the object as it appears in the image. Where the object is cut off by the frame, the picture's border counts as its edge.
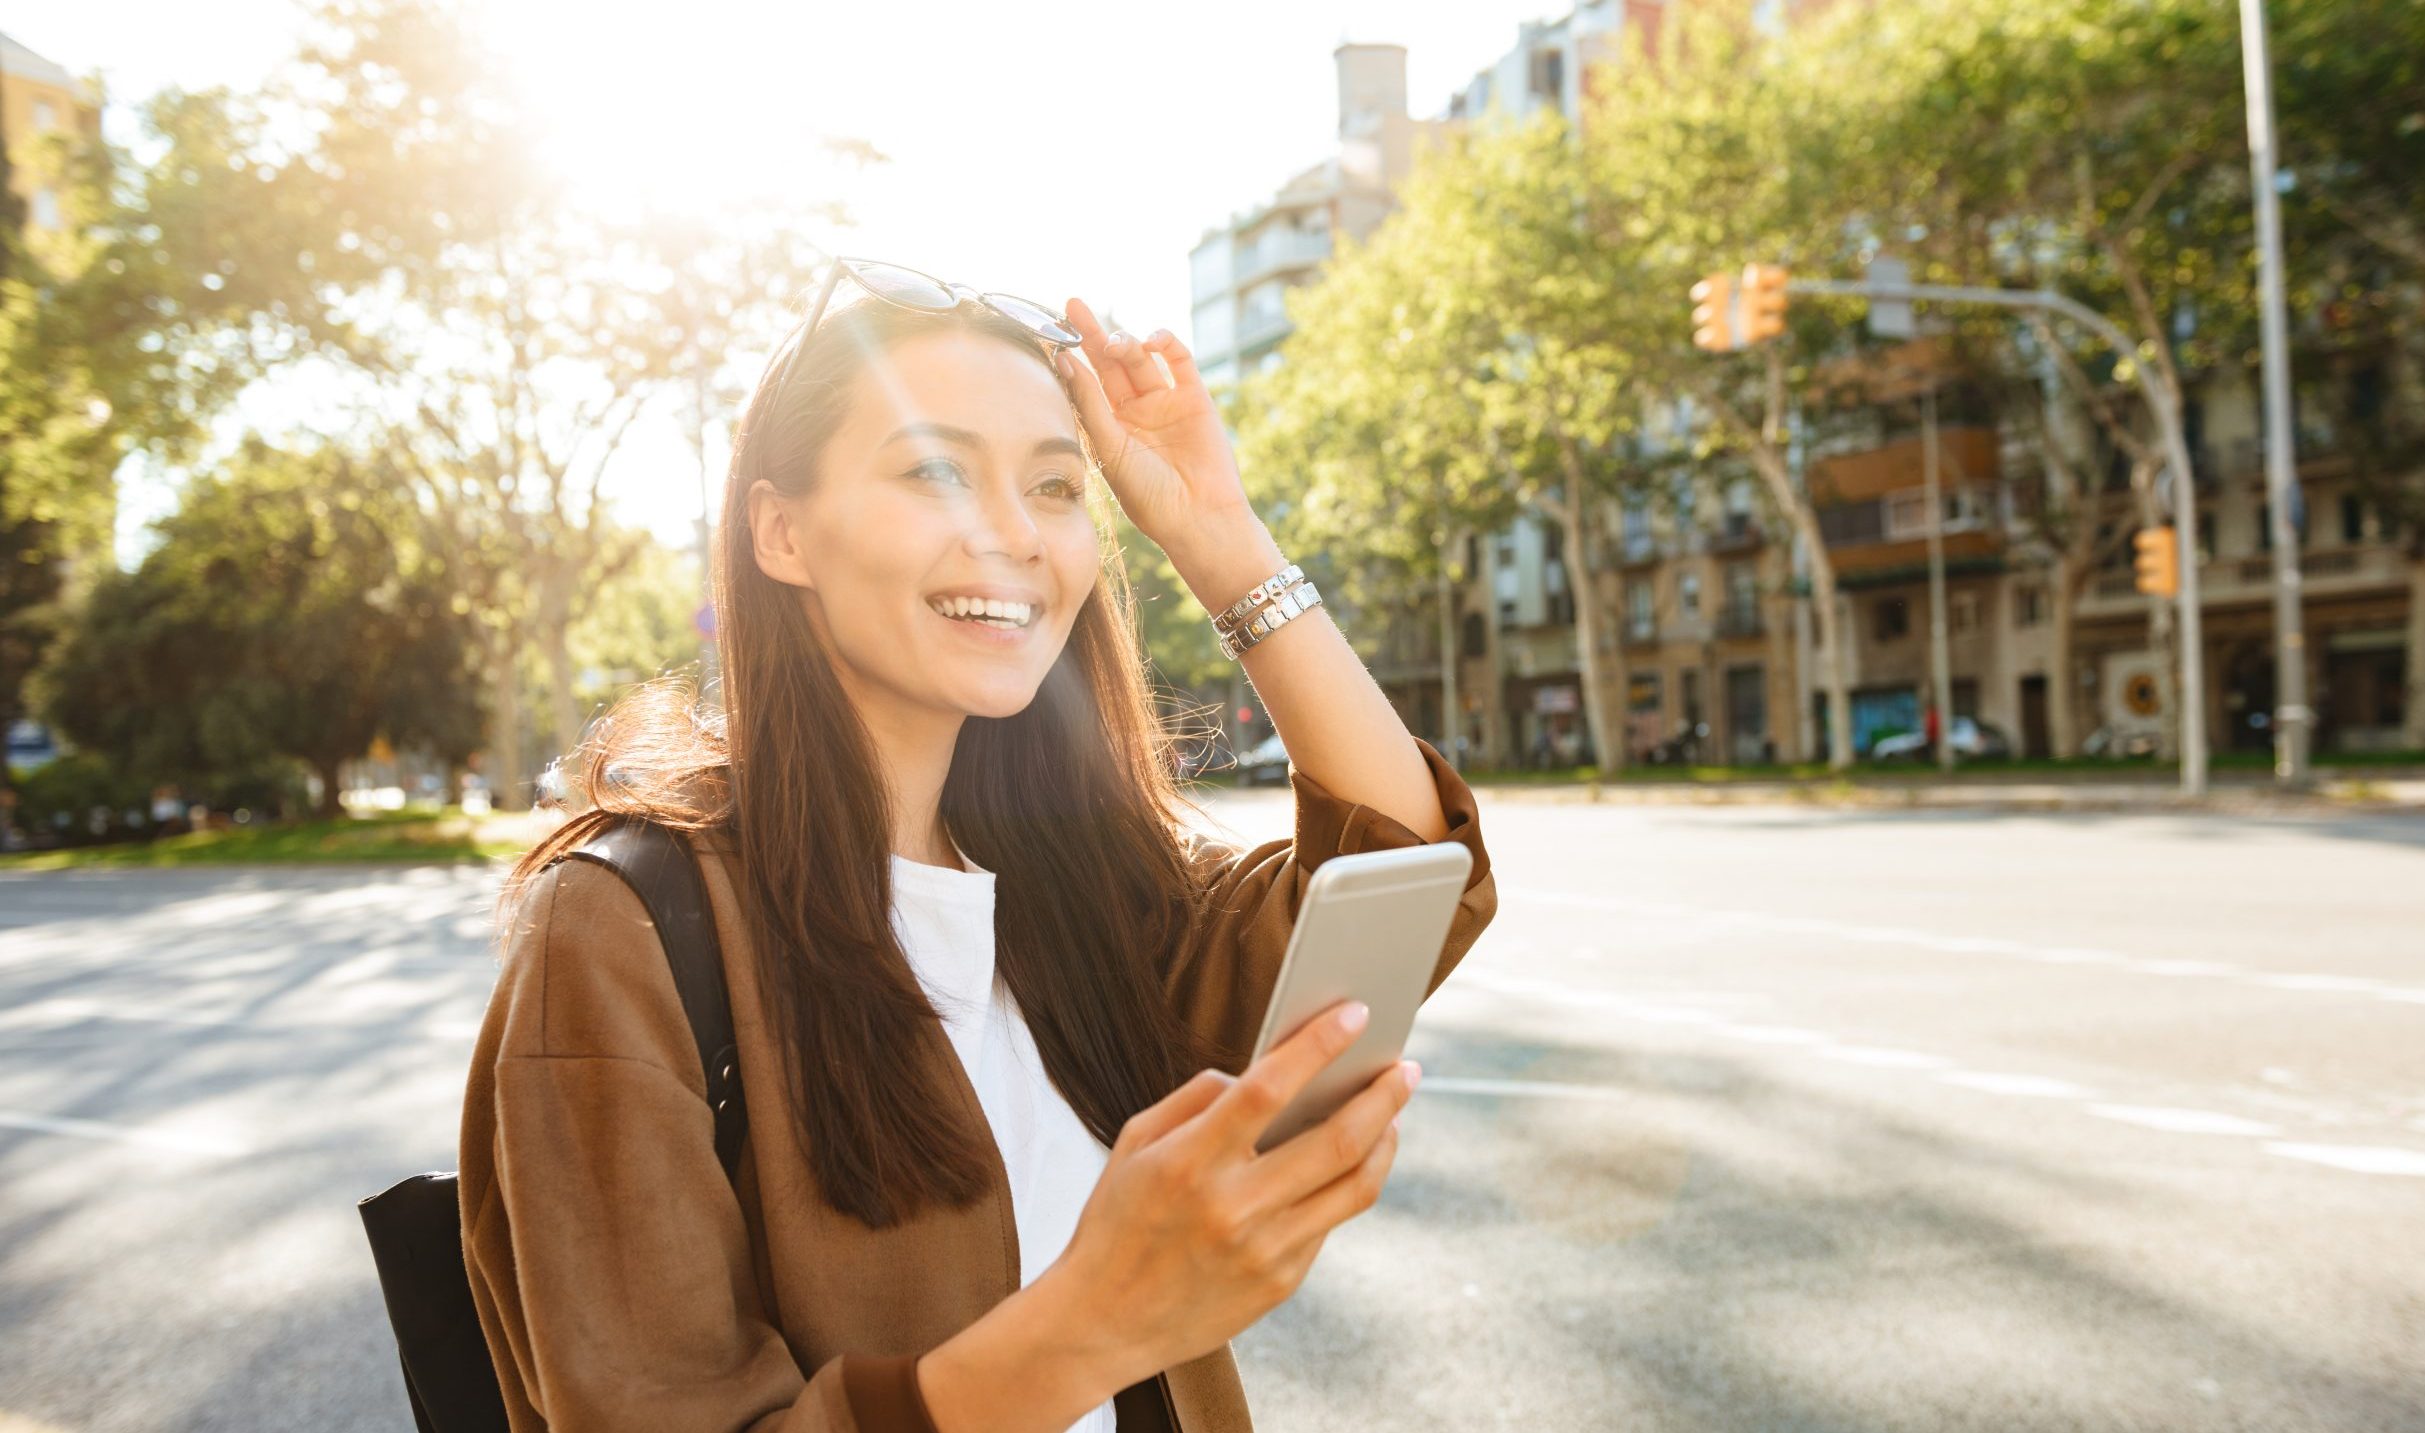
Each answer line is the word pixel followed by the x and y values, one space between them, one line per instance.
pixel 1972 740
pixel 2121 743
pixel 1265 763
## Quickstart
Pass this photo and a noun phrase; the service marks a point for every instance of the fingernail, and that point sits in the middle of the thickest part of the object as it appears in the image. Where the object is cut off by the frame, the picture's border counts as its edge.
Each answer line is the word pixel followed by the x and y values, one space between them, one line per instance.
pixel 1353 1017
pixel 1413 1071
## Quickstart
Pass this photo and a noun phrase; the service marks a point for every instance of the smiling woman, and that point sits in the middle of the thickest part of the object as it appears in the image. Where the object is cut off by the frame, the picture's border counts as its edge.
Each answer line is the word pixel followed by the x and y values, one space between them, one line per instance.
pixel 991 995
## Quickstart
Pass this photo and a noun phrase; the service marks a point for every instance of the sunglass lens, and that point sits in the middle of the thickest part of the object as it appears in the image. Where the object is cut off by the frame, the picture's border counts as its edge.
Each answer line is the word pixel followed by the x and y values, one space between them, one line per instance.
pixel 904 286
pixel 1035 316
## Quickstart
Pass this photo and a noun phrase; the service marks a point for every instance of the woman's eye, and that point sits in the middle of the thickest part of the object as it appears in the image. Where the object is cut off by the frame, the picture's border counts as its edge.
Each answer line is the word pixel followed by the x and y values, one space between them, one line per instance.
pixel 939 469
pixel 1061 487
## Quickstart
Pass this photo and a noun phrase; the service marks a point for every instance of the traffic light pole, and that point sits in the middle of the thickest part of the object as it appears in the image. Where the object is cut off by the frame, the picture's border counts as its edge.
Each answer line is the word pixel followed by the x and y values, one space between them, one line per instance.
pixel 2176 458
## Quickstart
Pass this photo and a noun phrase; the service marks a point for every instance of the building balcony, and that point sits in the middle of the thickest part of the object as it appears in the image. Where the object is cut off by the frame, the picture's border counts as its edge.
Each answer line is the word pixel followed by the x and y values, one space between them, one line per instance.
pixel 1277 250
pixel 1538 651
pixel 1259 327
pixel 2324 573
pixel 1967 454
pixel 1738 534
pixel 1741 621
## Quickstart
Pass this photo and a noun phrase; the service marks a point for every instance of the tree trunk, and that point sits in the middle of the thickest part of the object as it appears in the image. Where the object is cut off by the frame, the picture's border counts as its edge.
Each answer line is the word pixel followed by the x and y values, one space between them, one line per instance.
pixel 331 771
pixel 1452 716
pixel 2062 677
pixel 1572 509
pixel 563 702
pixel 506 779
pixel 1494 691
pixel 2412 722
pixel 1831 651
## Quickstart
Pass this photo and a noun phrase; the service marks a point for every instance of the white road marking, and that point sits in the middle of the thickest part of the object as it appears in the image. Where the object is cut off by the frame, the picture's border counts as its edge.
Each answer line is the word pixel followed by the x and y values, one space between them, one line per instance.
pixel 1860 933
pixel 1883 1057
pixel 2360 1158
pixel 1772 1034
pixel 1480 1085
pixel 2181 1121
pixel 181 1141
pixel 2032 1087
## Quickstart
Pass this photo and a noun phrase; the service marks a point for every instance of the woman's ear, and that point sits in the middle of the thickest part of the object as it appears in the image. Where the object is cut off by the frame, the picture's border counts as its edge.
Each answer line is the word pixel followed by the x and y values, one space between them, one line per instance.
pixel 774 537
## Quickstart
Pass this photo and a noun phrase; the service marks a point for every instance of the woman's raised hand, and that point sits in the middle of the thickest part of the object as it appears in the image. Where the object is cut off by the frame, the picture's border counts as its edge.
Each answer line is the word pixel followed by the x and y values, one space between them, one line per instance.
pixel 1156 431
pixel 1190 1236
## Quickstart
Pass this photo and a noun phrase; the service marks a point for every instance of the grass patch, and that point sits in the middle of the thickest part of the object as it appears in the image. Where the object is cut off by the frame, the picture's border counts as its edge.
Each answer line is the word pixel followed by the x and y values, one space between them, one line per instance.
pixel 420 837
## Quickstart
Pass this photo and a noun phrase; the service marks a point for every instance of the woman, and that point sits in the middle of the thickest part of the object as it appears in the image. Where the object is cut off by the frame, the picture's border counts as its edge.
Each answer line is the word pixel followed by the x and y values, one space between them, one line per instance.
pixel 993 999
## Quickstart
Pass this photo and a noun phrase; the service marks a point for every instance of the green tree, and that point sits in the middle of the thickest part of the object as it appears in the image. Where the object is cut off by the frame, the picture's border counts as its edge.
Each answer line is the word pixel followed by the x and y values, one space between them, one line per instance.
pixel 291 612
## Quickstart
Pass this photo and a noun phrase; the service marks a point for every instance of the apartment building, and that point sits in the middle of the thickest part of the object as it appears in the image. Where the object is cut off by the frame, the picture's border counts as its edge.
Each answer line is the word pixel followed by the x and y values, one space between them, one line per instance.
pixel 1240 270
pixel 38 97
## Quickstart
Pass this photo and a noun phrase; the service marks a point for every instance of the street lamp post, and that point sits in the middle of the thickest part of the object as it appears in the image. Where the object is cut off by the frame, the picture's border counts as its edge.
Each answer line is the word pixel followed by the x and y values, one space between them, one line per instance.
pixel 2293 719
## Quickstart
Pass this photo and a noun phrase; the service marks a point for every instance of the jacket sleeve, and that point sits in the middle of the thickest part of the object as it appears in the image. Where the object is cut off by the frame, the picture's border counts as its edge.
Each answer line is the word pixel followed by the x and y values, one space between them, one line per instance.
pixel 1247 903
pixel 606 1249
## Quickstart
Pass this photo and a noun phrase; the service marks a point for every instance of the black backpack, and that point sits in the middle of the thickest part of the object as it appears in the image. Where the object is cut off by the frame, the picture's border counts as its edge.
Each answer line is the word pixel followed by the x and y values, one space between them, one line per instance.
pixel 416 1227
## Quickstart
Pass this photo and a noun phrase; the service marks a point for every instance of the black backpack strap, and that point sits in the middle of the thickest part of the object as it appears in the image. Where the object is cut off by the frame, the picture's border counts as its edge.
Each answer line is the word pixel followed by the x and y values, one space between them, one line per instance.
pixel 653 861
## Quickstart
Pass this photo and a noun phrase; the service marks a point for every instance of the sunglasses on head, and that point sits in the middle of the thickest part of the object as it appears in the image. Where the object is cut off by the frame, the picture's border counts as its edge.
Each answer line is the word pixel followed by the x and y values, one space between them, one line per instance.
pixel 909 288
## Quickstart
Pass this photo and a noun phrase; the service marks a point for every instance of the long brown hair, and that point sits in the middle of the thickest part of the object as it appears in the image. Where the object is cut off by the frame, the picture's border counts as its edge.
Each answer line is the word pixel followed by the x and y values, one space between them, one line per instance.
pixel 1070 802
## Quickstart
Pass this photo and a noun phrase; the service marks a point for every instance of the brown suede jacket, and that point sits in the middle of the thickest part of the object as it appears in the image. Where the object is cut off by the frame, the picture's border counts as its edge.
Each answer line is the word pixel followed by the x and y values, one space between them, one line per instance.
pixel 624 1283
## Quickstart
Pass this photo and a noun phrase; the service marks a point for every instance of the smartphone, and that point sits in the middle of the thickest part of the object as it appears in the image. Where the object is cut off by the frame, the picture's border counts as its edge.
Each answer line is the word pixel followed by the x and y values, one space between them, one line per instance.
pixel 1371 927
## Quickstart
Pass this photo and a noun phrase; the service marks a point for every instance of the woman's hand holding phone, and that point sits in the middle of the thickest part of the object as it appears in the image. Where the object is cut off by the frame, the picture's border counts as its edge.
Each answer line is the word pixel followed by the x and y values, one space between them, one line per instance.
pixel 1190 1236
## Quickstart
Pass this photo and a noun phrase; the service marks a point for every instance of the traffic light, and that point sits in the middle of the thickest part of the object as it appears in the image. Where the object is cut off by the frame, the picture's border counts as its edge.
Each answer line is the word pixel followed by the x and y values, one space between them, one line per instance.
pixel 2158 561
pixel 1763 303
pixel 1713 314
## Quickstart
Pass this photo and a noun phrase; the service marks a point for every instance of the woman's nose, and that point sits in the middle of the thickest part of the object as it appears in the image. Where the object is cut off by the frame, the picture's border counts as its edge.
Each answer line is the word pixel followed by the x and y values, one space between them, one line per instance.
pixel 1004 525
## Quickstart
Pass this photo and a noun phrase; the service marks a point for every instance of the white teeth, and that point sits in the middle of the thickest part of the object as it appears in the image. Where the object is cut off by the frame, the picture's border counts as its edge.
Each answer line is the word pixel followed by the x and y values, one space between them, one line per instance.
pixel 982 609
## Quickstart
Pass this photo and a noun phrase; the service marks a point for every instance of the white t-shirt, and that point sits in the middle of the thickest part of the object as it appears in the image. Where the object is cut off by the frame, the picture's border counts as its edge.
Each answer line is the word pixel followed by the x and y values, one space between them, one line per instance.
pixel 944 920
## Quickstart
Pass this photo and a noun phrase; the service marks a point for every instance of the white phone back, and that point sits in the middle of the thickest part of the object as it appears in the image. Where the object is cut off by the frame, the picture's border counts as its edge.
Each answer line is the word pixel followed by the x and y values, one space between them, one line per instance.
pixel 1371 927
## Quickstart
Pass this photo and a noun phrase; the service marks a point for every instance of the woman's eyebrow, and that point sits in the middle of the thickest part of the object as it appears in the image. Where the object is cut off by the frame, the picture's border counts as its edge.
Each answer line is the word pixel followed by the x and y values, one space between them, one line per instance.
pixel 966 439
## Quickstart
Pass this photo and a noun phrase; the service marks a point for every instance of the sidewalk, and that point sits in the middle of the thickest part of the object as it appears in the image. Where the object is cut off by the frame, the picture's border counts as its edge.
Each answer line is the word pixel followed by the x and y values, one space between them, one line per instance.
pixel 2232 792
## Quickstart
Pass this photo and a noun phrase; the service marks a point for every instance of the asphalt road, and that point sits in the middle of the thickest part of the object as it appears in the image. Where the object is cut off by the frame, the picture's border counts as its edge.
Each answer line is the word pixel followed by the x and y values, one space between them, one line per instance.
pixel 1738 1118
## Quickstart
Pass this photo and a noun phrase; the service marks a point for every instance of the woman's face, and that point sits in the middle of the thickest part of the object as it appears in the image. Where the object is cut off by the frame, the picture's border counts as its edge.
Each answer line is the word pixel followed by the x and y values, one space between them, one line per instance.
pixel 945 544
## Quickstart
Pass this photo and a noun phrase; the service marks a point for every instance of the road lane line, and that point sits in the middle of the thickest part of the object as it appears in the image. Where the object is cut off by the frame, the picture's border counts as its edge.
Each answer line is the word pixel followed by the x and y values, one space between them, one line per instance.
pixel 1481 1085
pixel 2358 1158
pixel 2182 1121
pixel 1883 1057
pixel 2031 1087
pixel 1861 933
pixel 181 1141
pixel 1772 1034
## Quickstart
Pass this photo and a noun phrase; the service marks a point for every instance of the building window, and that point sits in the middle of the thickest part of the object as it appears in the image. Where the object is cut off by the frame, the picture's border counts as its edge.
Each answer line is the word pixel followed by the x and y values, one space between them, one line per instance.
pixel 1890 619
pixel 1472 642
pixel 45 118
pixel 1636 528
pixel 1548 75
pixel 2353 519
pixel 1682 493
pixel 1473 554
pixel 45 212
pixel 2029 606
pixel 1688 593
pixel 1962 612
pixel 1640 615
pixel 1738 507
